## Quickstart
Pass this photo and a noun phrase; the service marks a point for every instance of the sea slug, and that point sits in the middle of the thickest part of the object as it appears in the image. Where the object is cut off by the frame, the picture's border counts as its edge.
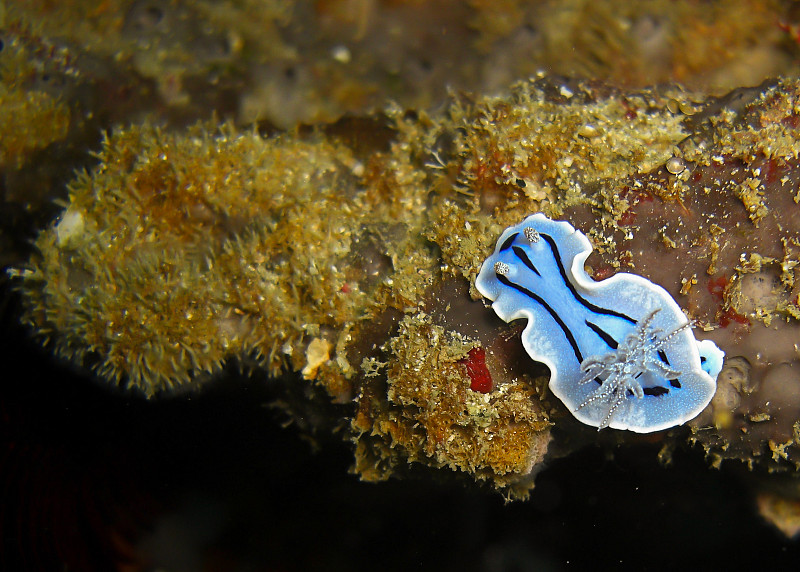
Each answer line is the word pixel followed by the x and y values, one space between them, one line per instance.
pixel 621 352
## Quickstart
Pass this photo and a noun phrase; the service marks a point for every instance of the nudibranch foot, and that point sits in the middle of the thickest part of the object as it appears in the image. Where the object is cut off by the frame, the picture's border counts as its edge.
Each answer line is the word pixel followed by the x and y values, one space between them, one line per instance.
pixel 610 361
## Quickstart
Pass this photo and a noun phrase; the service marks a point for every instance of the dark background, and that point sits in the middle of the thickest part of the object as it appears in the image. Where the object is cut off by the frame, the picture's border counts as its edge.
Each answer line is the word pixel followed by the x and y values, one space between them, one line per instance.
pixel 93 479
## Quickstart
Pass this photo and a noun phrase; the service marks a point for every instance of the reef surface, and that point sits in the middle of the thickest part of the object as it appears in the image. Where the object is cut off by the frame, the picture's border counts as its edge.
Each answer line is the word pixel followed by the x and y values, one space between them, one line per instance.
pixel 341 258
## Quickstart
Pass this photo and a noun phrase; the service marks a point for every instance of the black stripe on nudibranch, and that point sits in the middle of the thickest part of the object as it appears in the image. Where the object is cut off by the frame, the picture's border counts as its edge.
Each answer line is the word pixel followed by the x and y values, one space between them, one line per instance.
pixel 567 333
pixel 593 307
pixel 655 391
pixel 610 342
pixel 673 382
pixel 508 242
pixel 522 255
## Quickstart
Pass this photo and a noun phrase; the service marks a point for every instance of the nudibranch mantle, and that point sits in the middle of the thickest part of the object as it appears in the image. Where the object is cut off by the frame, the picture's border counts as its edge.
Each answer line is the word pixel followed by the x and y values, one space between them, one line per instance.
pixel 621 352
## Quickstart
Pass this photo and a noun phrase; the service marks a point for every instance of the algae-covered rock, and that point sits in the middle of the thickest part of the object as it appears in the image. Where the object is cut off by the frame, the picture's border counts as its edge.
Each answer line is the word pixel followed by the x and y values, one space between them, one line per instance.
pixel 346 254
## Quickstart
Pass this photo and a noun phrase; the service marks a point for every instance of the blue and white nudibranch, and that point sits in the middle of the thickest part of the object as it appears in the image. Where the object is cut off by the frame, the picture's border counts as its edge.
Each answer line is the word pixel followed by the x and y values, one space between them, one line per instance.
pixel 621 352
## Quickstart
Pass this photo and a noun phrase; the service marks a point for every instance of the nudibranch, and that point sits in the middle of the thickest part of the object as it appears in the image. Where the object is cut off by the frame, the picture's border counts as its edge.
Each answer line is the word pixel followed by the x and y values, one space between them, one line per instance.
pixel 621 352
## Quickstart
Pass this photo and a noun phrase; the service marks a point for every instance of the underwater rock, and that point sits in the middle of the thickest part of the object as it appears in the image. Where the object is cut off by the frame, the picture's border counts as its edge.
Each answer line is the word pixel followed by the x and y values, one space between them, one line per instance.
pixel 353 265
pixel 279 63
pixel 779 505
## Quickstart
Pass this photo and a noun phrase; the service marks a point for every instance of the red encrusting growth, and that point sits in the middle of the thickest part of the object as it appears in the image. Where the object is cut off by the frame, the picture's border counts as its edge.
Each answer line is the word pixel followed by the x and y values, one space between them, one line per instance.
pixel 634 197
pixel 716 287
pixel 481 379
pixel 602 273
pixel 731 315
pixel 627 218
